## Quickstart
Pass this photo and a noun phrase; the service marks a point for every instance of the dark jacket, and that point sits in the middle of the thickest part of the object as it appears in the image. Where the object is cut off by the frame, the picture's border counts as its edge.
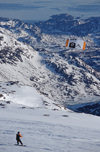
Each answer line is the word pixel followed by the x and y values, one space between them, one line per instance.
pixel 18 135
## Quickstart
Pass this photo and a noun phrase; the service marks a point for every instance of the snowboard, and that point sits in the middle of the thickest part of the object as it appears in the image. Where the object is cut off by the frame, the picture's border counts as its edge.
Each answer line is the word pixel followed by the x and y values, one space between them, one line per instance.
pixel 20 145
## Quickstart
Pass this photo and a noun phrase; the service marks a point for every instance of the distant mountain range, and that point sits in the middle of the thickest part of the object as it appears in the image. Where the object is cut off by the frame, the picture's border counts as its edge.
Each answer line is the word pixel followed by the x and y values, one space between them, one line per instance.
pixel 35 55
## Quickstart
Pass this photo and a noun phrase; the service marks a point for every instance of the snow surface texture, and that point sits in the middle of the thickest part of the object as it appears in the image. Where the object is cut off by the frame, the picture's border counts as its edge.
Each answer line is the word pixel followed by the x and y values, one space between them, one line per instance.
pixel 35 55
pixel 45 130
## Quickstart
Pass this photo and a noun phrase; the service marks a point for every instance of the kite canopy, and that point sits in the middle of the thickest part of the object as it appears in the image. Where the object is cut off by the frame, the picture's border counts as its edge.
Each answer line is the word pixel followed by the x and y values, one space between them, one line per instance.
pixel 76 44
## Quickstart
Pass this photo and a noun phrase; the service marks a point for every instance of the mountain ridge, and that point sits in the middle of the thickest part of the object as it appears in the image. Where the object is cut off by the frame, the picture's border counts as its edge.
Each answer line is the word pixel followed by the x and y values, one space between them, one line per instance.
pixel 33 56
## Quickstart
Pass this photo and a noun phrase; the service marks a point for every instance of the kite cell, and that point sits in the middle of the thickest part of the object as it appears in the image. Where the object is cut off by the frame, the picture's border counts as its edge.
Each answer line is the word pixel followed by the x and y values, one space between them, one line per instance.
pixel 75 44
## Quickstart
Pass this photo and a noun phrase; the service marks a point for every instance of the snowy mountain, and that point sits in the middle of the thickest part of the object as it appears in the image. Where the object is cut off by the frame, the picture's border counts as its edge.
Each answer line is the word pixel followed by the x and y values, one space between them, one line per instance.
pixel 35 55
pixel 40 79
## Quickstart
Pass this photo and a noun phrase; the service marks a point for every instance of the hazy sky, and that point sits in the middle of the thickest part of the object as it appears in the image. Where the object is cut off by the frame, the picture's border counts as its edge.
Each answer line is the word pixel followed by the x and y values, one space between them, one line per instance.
pixel 43 9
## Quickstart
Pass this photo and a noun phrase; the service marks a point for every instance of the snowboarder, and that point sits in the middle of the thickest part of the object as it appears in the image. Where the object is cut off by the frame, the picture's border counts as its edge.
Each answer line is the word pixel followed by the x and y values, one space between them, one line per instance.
pixel 18 135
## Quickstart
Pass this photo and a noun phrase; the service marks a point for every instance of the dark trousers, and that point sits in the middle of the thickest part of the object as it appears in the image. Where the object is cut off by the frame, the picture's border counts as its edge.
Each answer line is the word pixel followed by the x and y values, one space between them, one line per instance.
pixel 19 141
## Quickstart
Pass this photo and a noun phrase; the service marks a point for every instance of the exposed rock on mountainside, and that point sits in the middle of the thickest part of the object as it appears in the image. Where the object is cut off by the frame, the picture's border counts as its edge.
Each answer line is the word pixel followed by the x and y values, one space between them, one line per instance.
pixel 36 55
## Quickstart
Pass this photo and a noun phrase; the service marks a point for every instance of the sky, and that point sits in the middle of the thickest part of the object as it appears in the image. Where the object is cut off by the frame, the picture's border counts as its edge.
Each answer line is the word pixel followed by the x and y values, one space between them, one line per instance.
pixel 42 9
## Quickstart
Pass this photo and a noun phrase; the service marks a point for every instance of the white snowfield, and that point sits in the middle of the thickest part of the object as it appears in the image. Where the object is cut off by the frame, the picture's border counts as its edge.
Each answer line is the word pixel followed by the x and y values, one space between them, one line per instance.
pixel 44 128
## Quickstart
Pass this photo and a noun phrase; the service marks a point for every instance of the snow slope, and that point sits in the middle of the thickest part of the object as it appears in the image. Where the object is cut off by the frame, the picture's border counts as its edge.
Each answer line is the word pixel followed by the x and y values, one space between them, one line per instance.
pixel 25 95
pixel 46 130
pixel 44 125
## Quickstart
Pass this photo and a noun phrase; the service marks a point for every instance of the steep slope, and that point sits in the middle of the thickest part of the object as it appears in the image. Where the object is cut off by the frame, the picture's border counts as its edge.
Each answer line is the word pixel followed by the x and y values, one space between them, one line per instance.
pixel 33 55
pixel 16 59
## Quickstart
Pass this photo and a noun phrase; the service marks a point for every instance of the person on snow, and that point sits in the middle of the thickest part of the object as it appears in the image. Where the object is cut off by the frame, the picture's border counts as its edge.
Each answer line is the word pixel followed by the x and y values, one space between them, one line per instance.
pixel 18 136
